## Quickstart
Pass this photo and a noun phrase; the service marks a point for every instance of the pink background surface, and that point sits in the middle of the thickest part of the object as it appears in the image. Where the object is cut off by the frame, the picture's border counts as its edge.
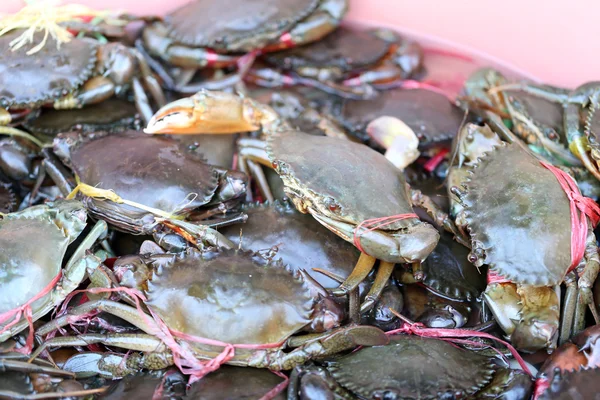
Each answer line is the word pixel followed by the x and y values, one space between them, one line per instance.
pixel 556 41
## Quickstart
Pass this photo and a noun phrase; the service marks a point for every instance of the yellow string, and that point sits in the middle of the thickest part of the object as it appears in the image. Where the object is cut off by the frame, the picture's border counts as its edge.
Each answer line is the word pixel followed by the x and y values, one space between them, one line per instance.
pixel 103 194
pixel 46 15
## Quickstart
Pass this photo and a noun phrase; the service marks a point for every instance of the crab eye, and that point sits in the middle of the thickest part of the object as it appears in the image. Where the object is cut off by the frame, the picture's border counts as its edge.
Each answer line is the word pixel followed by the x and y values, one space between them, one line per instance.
pixel 333 206
pixel 472 258
pixel 275 165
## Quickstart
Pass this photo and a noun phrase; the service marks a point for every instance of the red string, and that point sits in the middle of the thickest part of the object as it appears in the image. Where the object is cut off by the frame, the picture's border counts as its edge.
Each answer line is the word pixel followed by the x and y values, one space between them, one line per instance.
pixel 183 356
pixel 587 209
pixel 434 161
pixel 211 58
pixel 370 225
pixel 541 385
pixel 419 329
pixel 494 277
pixel 271 394
pixel 16 314
pixel 287 41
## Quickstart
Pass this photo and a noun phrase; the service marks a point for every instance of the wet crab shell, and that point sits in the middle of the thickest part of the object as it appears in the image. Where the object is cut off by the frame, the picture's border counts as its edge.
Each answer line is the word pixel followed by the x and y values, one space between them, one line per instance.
pixel 449 273
pixel 154 171
pixel 345 50
pixel 581 384
pixel 546 114
pixel 430 115
pixel 16 382
pixel 235 383
pixel 28 81
pixel 246 298
pixel 147 385
pixel 234 25
pixel 27 266
pixel 411 367
pixel 8 198
pixel 298 239
pixel 343 174
pixel 519 213
pixel 112 115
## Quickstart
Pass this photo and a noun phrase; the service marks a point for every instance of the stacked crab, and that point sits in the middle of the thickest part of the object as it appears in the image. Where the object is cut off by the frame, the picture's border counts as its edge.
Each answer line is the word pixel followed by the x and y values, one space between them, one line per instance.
pixel 327 208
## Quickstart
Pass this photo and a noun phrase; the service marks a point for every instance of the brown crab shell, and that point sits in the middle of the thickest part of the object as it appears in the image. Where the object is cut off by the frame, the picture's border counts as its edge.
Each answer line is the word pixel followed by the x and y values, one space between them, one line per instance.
pixel 430 115
pixel 298 239
pixel 28 81
pixel 154 171
pixel 519 213
pixel 112 115
pixel 235 383
pixel 235 25
pixel 345 49
pixel 233 296
pixel 569 385
pixel 349 174
pixel 412 367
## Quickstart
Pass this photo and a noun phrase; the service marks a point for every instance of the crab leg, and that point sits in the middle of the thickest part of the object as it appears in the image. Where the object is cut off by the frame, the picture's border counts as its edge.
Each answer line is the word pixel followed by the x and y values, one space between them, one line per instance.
pixel 363 268
pixel 381 279
pixel 27 367
pixel 440 217
pixel 569 308
pixel 253 152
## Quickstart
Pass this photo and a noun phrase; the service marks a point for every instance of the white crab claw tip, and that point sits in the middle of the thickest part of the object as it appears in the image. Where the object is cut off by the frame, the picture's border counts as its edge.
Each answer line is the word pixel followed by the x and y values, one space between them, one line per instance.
pixel 398 138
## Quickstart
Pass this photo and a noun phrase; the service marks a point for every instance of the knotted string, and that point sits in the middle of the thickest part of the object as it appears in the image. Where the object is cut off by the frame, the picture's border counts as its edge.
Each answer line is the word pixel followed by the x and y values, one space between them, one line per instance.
pixel 183 357
pixel 587 209
pixel 16 314
pixel 372 224
pixel 416 328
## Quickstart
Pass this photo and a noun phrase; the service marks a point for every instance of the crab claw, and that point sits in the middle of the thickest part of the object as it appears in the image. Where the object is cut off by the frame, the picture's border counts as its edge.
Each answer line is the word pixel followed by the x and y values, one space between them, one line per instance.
pixel 534 334
pixel 411 245
pixel 205 112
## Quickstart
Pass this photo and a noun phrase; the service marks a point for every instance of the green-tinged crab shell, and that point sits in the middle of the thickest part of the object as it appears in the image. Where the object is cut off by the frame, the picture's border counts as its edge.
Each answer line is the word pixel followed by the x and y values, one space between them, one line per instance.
pixel 234 25
pixel 34 242
pixel 28 81
pixel 518 213
pixel 231 296
pixel 16 382
pixel 112 115
pixel 411 367
pixel 300 241
pixel 358 182
pixel 345 49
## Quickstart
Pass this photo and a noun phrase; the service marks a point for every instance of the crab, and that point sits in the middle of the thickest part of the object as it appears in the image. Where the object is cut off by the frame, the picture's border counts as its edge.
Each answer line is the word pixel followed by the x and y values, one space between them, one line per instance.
pixel 180 181
pixel 32 271
pixel 509 190
pixel 249 300
pixel 346 62
pixel 38 379
pixel 539 120
pixel 431 116
pixel 573 362
pixel 330 178
pixel 580 120
pixel 238 383
pixel 409 367
pixel 279 230
pixel 82 72
pixel 204 34
pixel 112 115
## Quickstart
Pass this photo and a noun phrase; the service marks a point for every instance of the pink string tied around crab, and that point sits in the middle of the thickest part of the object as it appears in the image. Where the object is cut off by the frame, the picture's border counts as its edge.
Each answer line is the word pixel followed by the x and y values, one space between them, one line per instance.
pixel 26 310
pixel 183 356
pixel 373 224
pixel 454 335
pixel 581 208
